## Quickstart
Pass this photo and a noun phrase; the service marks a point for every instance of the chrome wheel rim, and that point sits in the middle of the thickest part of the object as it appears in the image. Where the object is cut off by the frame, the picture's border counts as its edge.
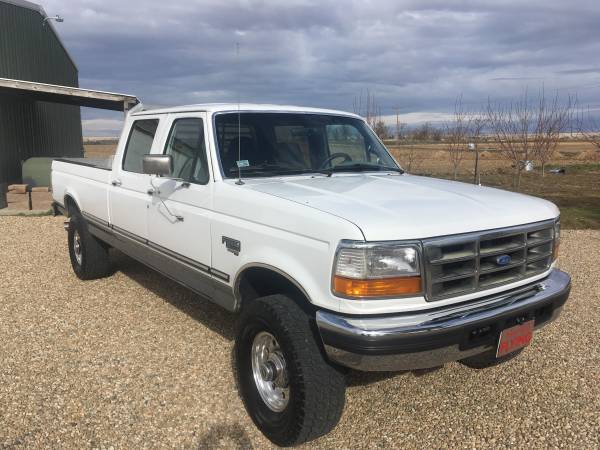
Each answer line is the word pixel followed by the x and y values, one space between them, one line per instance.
pixel 269 370
pixel 77 247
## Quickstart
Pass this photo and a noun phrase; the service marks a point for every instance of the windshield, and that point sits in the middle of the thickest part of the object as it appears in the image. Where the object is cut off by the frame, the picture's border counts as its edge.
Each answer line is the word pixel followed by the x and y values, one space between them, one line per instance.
pixel 272 144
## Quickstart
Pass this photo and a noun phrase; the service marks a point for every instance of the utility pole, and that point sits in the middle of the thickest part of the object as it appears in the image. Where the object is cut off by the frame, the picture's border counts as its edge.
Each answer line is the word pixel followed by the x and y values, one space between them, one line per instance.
pixel 397 124
pixel 477 179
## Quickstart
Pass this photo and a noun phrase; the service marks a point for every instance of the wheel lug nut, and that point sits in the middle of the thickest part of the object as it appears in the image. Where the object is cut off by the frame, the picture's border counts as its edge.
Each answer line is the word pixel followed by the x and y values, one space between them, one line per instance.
pixel 268 371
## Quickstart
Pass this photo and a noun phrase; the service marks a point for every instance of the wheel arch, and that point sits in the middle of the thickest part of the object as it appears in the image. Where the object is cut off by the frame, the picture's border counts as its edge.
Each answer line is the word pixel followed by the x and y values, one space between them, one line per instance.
pixel 71 204
pixel 255 280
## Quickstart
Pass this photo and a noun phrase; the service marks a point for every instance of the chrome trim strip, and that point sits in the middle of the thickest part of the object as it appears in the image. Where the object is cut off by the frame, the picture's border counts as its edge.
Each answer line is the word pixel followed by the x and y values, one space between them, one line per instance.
pixel 217 273
pixel 127 234
pixel 213 286
pixel 158 248
pixel 184 259
pixel 95 220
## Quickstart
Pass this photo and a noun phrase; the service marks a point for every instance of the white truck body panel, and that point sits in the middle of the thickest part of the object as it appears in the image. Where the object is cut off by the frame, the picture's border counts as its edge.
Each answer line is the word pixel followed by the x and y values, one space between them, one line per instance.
pixel 88 186
pixel 397 207
pixel 292 224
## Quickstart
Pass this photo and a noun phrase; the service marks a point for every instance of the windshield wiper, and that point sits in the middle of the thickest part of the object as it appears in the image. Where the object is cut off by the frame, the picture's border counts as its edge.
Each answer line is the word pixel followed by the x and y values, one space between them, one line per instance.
pixel 361 167
pixel 274 170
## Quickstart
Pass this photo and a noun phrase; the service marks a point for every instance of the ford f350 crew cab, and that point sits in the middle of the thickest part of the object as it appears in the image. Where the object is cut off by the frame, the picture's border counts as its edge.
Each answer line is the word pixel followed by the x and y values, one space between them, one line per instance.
pixel 336 258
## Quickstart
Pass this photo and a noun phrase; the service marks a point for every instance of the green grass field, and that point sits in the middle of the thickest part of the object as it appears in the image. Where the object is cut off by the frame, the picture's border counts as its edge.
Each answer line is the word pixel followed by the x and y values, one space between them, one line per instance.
pixel 576 193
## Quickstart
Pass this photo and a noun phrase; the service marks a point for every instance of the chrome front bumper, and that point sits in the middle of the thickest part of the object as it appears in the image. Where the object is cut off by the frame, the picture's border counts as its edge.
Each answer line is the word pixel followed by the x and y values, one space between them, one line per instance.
pixel 434 337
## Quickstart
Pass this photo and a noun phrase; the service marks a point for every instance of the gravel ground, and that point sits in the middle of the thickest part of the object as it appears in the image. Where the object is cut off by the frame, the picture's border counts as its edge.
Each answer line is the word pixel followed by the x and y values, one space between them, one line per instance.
pixel 136 361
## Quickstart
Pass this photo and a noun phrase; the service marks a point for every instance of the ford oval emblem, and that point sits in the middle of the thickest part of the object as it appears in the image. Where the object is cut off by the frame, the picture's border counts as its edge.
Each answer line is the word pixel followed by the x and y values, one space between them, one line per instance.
pixel 503 260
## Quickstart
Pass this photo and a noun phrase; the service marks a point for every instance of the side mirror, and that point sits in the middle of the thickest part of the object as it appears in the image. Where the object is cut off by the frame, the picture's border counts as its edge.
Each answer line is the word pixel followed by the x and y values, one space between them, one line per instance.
pixel 161 165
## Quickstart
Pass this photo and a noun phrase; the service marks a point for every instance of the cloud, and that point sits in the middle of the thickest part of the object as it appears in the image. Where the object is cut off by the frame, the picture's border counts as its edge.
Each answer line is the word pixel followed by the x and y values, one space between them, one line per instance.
pixel 102 127
pixel 416 118
pixel 414 55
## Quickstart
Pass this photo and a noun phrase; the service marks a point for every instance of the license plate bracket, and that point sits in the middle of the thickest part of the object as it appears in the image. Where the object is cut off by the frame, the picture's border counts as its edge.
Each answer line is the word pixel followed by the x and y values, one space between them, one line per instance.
pixel 514 338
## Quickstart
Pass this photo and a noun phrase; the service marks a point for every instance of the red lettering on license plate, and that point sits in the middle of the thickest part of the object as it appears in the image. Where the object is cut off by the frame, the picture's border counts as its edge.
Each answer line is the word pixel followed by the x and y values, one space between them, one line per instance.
pixel 514 338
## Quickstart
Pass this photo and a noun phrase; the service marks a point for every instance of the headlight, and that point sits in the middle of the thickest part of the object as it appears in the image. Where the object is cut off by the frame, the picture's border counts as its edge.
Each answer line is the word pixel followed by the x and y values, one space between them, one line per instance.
pixel 376 270
pixel 556 239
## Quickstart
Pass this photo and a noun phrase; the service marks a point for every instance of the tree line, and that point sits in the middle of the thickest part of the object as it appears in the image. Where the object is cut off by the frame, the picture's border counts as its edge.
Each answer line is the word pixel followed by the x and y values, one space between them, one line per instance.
pixel 524 129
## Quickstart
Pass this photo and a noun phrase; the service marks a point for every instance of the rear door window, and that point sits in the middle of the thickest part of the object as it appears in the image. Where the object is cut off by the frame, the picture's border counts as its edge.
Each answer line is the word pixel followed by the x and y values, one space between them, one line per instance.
pixel 139 144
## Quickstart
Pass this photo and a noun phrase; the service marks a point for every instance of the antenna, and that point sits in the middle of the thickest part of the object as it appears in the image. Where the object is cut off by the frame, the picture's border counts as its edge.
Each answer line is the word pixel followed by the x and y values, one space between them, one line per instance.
pixel 239 181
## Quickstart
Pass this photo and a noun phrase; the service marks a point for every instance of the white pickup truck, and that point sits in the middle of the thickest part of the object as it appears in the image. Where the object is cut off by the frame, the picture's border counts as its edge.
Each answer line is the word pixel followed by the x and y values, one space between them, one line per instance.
pixel 336 258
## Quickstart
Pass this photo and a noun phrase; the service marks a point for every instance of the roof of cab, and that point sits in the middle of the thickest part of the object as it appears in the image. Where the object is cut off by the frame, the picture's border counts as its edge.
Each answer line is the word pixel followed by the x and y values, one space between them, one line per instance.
pixel 244 107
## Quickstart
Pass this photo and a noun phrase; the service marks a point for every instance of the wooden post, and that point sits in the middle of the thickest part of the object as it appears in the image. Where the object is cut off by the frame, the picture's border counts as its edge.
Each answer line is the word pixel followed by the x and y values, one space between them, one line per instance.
pixel 3 199
pixel 477 178
pixel 29 195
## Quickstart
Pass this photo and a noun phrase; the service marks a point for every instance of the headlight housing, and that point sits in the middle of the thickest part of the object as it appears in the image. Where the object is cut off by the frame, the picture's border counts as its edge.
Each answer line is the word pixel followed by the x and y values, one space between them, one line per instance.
pixel 376 270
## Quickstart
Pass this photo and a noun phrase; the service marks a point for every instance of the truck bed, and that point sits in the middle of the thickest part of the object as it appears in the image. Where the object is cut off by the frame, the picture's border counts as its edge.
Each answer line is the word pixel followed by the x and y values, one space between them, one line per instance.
pixel 86 180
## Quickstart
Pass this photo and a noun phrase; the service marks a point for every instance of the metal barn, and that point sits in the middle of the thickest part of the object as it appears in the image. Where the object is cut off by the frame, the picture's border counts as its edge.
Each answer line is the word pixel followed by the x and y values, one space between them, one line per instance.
pixel 31 50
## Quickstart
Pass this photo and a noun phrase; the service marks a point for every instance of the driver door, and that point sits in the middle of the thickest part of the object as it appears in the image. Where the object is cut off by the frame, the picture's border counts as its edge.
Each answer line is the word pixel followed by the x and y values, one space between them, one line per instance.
pixel 180 210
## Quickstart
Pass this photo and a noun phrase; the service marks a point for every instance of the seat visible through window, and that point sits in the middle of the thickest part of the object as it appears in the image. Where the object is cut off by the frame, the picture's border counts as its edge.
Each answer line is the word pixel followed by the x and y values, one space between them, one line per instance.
pixel 187 148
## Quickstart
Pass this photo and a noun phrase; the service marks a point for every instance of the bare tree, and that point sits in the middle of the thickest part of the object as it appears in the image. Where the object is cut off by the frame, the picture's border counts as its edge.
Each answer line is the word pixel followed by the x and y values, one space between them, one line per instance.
pixel 477 123
pixel 427 132
pixel 456 134
pixel 411 158
pixel 368 108
pixel 510 126
pixel 552 118
pixel 588 128
pixel 401 131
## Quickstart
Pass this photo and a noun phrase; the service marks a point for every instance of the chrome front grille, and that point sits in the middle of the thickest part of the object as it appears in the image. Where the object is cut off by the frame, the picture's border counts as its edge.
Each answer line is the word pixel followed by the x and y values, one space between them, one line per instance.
pixel 461 264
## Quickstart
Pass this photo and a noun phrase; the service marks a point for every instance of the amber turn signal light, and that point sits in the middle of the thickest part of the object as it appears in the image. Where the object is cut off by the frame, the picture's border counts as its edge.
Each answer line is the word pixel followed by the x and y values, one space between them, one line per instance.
pixel 383 287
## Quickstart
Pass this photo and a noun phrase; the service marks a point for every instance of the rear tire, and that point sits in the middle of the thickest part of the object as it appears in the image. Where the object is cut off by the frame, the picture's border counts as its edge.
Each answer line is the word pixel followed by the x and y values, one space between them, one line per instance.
pixel 488 359
pixel 89 256
pixel 312 389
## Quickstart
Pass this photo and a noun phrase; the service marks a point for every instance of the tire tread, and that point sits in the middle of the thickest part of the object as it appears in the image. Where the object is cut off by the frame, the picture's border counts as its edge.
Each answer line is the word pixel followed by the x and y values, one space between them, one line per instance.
pixel 323 385
pixel 96 262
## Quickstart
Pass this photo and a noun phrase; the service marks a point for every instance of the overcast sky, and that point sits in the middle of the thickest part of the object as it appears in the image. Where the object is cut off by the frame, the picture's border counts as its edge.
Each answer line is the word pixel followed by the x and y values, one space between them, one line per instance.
pixel 417 56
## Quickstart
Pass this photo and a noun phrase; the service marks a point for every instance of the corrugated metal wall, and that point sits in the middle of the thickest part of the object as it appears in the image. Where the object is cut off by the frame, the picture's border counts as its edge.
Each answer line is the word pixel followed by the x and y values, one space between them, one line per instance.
pixel 32 52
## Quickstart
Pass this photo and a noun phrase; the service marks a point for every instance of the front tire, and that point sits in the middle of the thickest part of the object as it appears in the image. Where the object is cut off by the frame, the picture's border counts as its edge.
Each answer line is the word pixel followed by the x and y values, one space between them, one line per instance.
pixel 291 392
pixel 89 256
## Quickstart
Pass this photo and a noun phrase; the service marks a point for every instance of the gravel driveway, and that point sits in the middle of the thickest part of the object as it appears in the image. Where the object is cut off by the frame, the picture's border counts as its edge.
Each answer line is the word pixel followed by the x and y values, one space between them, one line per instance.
pixel 136 361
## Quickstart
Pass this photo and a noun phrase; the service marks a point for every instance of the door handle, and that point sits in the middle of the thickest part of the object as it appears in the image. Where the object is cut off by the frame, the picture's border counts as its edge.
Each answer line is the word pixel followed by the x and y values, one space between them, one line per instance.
pixel 116 182
pixel 150 191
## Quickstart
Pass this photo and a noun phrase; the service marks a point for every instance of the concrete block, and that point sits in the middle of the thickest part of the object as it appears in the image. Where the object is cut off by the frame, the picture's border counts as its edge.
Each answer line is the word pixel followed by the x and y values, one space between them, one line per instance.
pixel 18 188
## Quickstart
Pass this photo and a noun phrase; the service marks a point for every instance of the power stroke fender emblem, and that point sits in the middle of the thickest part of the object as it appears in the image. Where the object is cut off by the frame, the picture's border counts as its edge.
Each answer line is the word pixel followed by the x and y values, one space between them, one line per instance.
pixel 233 245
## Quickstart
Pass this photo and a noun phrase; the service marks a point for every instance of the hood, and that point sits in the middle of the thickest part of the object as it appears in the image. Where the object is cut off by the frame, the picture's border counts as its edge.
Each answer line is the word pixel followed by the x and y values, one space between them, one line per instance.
pixel 388 207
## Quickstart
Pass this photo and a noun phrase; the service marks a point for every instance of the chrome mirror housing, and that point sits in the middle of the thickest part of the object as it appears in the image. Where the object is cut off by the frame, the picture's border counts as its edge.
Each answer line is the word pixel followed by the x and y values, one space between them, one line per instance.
pixel 161 165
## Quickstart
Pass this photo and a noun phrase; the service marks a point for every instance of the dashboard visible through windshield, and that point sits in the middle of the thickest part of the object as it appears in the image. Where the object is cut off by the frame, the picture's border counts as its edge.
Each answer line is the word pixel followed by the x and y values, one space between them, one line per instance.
pixel 272 144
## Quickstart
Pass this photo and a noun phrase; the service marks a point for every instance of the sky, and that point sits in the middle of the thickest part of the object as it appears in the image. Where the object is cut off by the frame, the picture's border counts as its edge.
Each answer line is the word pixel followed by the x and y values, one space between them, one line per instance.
pixel 415 57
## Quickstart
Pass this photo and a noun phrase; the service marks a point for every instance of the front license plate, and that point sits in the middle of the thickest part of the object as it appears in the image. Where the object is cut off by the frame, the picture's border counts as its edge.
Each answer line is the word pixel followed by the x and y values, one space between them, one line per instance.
pixel 514 338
